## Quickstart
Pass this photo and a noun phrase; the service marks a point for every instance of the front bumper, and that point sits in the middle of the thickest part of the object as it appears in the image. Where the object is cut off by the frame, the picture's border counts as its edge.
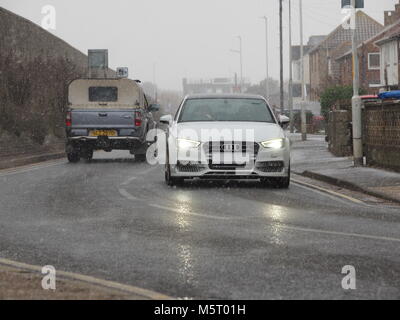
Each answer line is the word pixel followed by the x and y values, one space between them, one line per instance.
pixel 266 163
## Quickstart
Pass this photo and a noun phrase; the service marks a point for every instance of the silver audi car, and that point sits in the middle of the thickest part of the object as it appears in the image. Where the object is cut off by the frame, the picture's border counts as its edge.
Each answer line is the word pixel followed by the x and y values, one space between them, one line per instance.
pixel 226 136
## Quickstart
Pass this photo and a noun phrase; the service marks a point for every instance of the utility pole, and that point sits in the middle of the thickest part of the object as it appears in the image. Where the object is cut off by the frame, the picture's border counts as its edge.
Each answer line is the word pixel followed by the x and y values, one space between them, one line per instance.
pixel 266 59
pixel 290 70
pixel 356 100
pixel 281 54
pixel 241 61
pixel 155 93
pixel 303 95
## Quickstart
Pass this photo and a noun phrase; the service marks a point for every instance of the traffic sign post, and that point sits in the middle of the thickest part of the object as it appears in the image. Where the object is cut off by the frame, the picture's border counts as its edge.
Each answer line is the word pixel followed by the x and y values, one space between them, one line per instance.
pixel 359 4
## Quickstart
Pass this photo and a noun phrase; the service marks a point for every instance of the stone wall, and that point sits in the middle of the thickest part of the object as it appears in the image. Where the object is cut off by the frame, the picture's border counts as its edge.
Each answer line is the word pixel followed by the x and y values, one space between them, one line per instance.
pixel 35 69
pixel 339 133
pixel 381 134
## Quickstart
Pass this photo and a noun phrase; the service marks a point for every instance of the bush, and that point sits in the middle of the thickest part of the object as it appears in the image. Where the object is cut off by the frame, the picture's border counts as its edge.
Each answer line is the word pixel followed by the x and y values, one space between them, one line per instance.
pixel 33 94
pixel 338 96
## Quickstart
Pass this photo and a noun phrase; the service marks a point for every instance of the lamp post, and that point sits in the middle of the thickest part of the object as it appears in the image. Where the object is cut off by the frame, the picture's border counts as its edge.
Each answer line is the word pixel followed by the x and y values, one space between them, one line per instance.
pixel 266 59
pixel 356 100
pixel 290 69
pixel 303 93
pixel 240 52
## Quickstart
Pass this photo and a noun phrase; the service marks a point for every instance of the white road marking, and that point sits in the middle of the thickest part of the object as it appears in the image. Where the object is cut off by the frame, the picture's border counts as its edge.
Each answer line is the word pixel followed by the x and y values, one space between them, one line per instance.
pixel 91 280
pixel 177 210
pixel 127 195
pixel 142 173
pixel 338 233
pixel 29 168
pixel 336 194
pixel 126 182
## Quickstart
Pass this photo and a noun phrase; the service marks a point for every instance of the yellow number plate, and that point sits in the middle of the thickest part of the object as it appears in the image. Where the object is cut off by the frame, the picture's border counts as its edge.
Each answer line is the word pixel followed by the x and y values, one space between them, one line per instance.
pixel 108 133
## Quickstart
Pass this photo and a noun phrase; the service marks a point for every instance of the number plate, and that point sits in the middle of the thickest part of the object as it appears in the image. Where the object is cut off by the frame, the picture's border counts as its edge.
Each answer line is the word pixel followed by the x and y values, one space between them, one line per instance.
pixel 107 133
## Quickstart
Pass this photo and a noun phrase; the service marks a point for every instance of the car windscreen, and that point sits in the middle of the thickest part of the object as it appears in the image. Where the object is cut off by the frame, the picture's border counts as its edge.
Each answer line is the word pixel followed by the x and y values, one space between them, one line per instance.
pixel 220 109
pixel 103 94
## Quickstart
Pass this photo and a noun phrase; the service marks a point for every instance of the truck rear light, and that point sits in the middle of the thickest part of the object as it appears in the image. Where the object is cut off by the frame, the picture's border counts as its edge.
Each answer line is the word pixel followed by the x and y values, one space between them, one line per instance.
pixel 138 119
pixel 68 119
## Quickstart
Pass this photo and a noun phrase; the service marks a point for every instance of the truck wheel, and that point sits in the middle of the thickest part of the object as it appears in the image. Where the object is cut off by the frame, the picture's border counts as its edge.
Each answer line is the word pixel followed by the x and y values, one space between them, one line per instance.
pixel 140 157
pixel 73 157
pixel 88 155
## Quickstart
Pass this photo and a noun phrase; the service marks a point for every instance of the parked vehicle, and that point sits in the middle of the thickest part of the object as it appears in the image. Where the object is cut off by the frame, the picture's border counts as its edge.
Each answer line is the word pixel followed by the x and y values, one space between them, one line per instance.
pixel 247 141
pixel 107 114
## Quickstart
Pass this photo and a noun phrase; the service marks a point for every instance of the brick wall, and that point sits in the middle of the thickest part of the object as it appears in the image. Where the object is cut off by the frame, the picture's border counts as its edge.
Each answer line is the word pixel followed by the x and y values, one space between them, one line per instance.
pixel 381 134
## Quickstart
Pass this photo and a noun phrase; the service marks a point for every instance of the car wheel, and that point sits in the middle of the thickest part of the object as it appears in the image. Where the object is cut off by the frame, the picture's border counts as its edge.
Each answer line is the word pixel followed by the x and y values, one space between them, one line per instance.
pixel 73 157
pixel 279 183
pixel 282 183
pixel 171 181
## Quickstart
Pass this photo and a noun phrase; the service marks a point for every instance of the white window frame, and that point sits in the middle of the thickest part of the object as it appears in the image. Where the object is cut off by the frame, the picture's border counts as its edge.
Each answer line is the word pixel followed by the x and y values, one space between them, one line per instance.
pixel 369 61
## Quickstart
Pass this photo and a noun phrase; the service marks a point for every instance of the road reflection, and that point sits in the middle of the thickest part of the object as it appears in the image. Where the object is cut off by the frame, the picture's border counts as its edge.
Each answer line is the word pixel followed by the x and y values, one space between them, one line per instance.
pixel 278 215
pixel 183 204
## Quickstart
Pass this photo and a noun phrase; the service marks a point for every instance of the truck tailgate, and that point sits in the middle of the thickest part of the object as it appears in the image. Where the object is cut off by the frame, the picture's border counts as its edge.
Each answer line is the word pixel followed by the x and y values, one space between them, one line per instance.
pixel 103 118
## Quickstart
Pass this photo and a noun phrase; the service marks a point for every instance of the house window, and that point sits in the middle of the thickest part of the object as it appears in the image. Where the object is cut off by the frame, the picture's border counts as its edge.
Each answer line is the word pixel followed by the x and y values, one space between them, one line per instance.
pixel 374 61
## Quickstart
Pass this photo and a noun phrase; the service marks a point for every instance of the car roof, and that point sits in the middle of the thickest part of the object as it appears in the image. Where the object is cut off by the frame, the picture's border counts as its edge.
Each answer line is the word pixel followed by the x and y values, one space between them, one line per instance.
pixel 224 96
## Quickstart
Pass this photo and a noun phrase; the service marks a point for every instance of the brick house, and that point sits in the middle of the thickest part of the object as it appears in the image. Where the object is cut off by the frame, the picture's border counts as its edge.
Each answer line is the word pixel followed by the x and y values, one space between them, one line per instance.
pixel 325 70
pixel 369 55
pixel 389 70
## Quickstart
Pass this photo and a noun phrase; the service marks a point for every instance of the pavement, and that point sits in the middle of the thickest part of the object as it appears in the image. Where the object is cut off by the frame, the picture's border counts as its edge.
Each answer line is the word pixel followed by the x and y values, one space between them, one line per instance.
pixel 116 220
pixel 311 158
pixel 25 159
pixel 22 284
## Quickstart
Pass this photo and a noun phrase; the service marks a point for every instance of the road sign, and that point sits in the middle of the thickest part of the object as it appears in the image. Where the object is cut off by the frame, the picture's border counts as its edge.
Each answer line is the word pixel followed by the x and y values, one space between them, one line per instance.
pixel 359 3
pixel 122 72
pixel 98 59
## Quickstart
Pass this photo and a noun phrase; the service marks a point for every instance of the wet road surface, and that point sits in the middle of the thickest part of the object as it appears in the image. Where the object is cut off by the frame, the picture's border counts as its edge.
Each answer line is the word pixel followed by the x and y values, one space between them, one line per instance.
pixel 117 220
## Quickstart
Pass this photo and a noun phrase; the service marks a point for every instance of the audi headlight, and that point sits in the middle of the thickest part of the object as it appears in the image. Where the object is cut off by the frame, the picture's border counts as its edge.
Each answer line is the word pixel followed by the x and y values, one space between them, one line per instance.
pixel 274 144
pixel 187 144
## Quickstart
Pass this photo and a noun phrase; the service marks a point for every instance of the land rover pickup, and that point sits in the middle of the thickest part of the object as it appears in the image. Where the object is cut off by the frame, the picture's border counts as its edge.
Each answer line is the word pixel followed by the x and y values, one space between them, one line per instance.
pixel 107 114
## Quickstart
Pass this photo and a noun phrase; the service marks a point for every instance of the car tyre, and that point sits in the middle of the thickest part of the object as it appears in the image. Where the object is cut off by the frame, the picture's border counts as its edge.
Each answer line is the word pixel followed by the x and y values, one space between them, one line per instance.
pixel 279 182
pixel 171 181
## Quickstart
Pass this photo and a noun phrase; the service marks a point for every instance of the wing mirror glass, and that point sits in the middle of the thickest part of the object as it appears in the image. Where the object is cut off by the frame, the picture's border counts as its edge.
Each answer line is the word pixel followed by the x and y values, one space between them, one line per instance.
pixel 154 107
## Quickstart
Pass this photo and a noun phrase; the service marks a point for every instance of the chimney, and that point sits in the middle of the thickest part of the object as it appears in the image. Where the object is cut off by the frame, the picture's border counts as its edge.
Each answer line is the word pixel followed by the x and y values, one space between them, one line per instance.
pixel 392 16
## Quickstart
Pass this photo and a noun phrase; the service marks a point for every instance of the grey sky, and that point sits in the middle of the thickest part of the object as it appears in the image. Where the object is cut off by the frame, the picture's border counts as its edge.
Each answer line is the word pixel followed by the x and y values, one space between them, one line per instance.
pixel 186 38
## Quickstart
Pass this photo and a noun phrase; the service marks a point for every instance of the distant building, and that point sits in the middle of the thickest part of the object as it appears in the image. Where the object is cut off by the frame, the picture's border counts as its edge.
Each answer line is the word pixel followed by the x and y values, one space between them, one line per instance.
pixel 215 85
pixel 296 64
pixel 312 106
pixel 324 67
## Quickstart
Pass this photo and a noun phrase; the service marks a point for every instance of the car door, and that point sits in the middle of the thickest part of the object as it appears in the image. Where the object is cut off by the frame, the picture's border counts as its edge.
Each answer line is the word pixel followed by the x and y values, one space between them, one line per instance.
pixel 149 115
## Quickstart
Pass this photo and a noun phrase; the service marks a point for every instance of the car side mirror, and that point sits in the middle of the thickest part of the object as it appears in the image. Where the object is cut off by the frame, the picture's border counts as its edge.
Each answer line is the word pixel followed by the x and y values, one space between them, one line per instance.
pixel 166 119
pixel 283 121
pixel 154 107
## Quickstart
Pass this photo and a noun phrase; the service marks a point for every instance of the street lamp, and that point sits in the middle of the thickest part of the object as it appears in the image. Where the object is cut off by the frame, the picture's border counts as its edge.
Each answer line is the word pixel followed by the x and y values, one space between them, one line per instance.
pixel 356 100
pixel 241 61
pixel 266 59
